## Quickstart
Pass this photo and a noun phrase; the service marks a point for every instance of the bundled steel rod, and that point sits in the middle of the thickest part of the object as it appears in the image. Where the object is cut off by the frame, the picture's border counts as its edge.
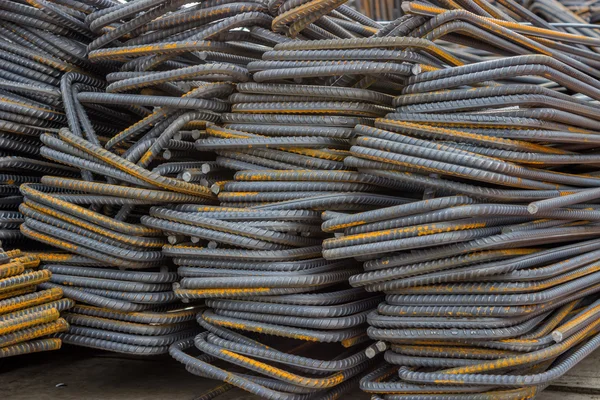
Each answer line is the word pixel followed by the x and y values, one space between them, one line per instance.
pixel 413 204
pixel 28 316
pixel 61 112
pixel 197 76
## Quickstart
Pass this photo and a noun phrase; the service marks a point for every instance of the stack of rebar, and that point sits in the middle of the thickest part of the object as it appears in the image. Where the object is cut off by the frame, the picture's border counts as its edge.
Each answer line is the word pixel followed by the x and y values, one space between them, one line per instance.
pixel 484 298
pixel 575 16
pixel 43 53
pixel 255 154
pixel 277 253
pixel 98 323
pixel 125 311
pixel 28 316
pixel 256 257
pixel 95 219
pixel 260 271
pixel 379 10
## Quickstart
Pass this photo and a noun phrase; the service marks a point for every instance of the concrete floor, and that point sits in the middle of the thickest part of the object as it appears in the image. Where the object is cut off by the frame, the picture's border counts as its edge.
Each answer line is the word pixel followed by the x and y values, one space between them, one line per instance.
pixel 75 373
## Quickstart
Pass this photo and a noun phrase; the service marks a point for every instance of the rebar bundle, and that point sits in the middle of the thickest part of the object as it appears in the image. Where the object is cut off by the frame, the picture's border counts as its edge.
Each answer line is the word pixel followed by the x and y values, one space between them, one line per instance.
pixel 42 52
pixel 379 10
pixel 124 311
pixel 28 316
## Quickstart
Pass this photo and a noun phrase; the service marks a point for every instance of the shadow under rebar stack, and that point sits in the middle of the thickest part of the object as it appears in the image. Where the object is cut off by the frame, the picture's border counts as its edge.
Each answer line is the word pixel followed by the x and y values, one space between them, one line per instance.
pixel 233 167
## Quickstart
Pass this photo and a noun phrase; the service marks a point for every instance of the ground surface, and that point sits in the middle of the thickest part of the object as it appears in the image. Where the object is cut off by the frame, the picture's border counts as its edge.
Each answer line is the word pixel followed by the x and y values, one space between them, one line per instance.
pixel 81 374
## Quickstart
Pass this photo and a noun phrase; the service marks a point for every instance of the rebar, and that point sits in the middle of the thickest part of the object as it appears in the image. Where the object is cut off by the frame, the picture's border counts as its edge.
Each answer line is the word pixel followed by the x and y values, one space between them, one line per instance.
pixel 304 194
